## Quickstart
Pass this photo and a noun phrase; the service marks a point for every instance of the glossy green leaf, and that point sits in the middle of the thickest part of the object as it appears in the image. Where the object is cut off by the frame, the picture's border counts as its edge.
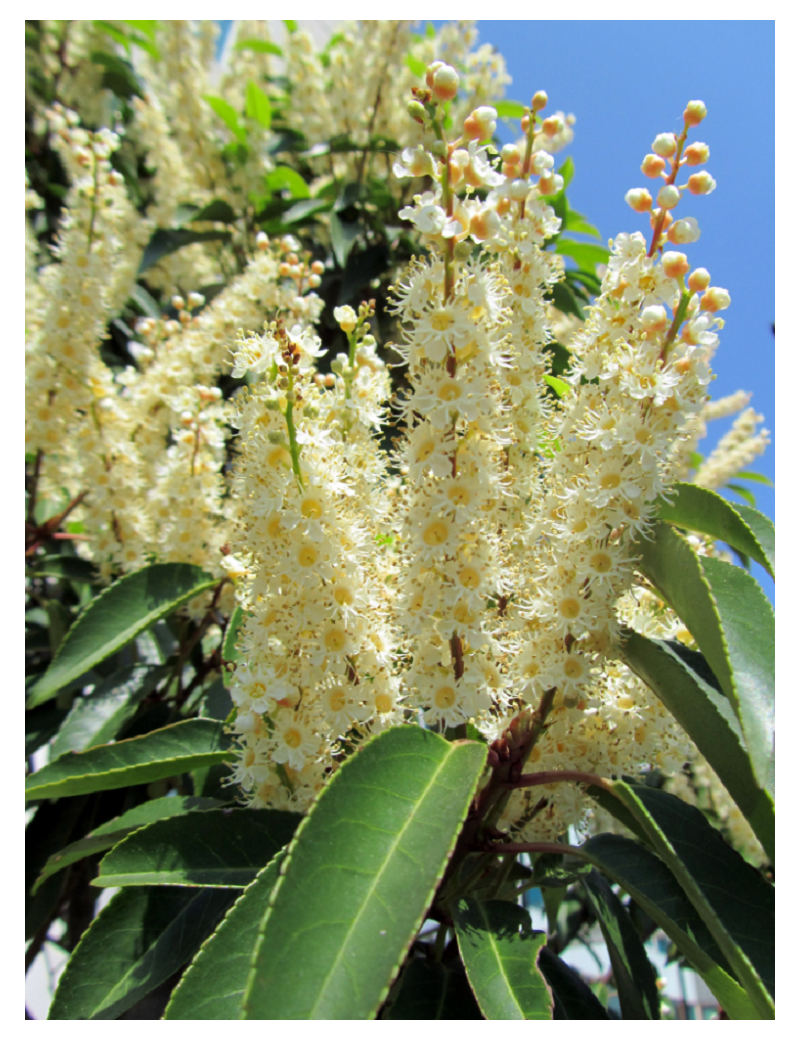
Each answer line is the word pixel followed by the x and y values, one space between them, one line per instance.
pixel 217 209
pixel 175 749
pixel 703 510
pixel 344 235
pixel 585 254
pixel 499 949
pixel 744 493
pixel 507 109
pixel 579 224
pixel 304 209
pixel 675 675
pixel 229 116
pixel 652 885
pixel 634 975
pixel 257 105
pixel 763 529
pixel 360 876
pixel 97 717
pixel 430 992
pixel 213 985
pixel 223 848
pixel 572 998
pixel 732 622
pixel 108 834
pixel 164 242
pixel 258 47
pixel 116 616
pixel 733 899
pixel 118 75
pixel 73 568
pixel 285 178
pixel 41 725
pixel 139 940
pixel 558 385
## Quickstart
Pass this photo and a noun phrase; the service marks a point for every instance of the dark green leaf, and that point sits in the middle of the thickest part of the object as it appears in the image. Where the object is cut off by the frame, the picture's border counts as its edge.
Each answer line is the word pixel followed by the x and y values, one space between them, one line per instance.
pixel 164 752
pixel 703 510
pixel 742 492
pixel 257 105
pixel 362 268
pixel 107 835
pixel 430 992
pixel 41 725
pixel 118 76
pixel 343 237
pixel 72 568
pixel 572 998
pixel 221 848
pixel 213 985
pixel 284 177
pixel 560 358
pixel 217 209
pixel 652 885
pixel 733 899
pixel 116 616
pixel 499 949
pixel 634 975
pixel 565 300
pixel 216 702
pixel 304 209
pixel 97 717
pixel 677 676
pixel 732 622
pixel 360 875
pixel 170 240
pixel 763 529
pixel 136 942
pixel 258 47
pixel 145 302
pixel 507 109
pixel 227 113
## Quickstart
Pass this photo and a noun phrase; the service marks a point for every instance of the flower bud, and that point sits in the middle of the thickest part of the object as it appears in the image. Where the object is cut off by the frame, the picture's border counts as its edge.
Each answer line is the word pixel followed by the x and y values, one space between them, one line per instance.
pixel 701 183
pixel 484 224
pixel 262 241
pixel 639 199
pixel 675 265
pixel 552 125
pixel 684 232
pixel 695 113
pixel 518 190
pixel 314 281
pixel 654 318
pixel 431 72
pixel 699 280
pixel 665 145
pixel 696 154
pixel 715 299
pixel 417 111
pixel 445 83
pixel 668 197
pixel 551 184
pixel 510 154
pixel 481 124
pixel 318 267
pixel 196 299
pixel 346 317
pixel 539 101
pixel 178 303
pixel 653 165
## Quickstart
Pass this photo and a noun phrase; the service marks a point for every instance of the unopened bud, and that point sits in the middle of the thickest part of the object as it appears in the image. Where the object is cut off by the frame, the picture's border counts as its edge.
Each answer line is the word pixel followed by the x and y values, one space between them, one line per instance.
pixel 701 183
pixel 552 125
pixel 318 267
pixel 484 224
pixel 668 197
pixel 262 241
pixel 654 319
pixel 639 199
pixel 714 300
pixel 551 184
pixel 675 265
pixel 480 124
pixel 684 232
pixel 539 101
pixel 653 165
pixel 445 83
pixel 665 145
pixel 696 154
pixel 518 190
pixel 694 113
pixel 314 281
pixel 431 71
pixel 417 111
pixel 510 154
pixel 196 299
pixel 699 280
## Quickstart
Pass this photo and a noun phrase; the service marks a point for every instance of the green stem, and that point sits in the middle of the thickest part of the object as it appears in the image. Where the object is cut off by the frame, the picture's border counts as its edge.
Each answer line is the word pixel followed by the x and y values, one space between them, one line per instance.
pixel 440 943
pixel 677 321
pixel 294 447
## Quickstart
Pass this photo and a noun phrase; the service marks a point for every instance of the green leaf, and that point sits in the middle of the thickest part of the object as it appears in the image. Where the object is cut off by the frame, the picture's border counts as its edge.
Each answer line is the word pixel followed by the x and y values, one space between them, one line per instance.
pixel 147 28
pixel 71 568
pixel 291 25
pixel 116 34
pixel 230 654
pixel 116 616
pixel 675 675
pixel 418 68
pixel 41 725
pixel 304 209
pixel 284 177
pixel 565 300
pixel 758 478
pixel 258 47
pixel 430 992
pixel 118 76
pixel 223 848
pixel 763 529
pixel 344 236
pixel 733 899
pixel 170 240
pixel 508 109
pixel 700 509
pixel 572 998
pixel 558 385
pixel 499 949
pixel 651 884
pixel 576 222
pixel 136 942
pixel 217 209
pixel 257 105
pixel 229 116
pixel 360 876
pixel 732 622
pixel 586 254
pixel 175 749
pixel 634 975
pixel 99 716
pixel 213 985
pixel 567 171
pixel 145 302
pixel 107 835
pixel 744 493
pixel 363 266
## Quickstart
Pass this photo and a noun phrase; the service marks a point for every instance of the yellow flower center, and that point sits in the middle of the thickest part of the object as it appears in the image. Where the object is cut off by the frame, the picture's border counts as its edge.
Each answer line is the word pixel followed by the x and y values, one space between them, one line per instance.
pixel 609 481
pixel 469 578
pixel 445 697
pixel 343 596
pixel 601 562
pixel 436 533
pixel 311 509
pixel 449 391
pixel 569 607
pixel 293 737
pixel 442 321
pixel 573 669
pixel 337 699
pixel 383 703
pixel 307 556
pixel 625 702
pixel 425 450
pixel 459 495
pixel 335 639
